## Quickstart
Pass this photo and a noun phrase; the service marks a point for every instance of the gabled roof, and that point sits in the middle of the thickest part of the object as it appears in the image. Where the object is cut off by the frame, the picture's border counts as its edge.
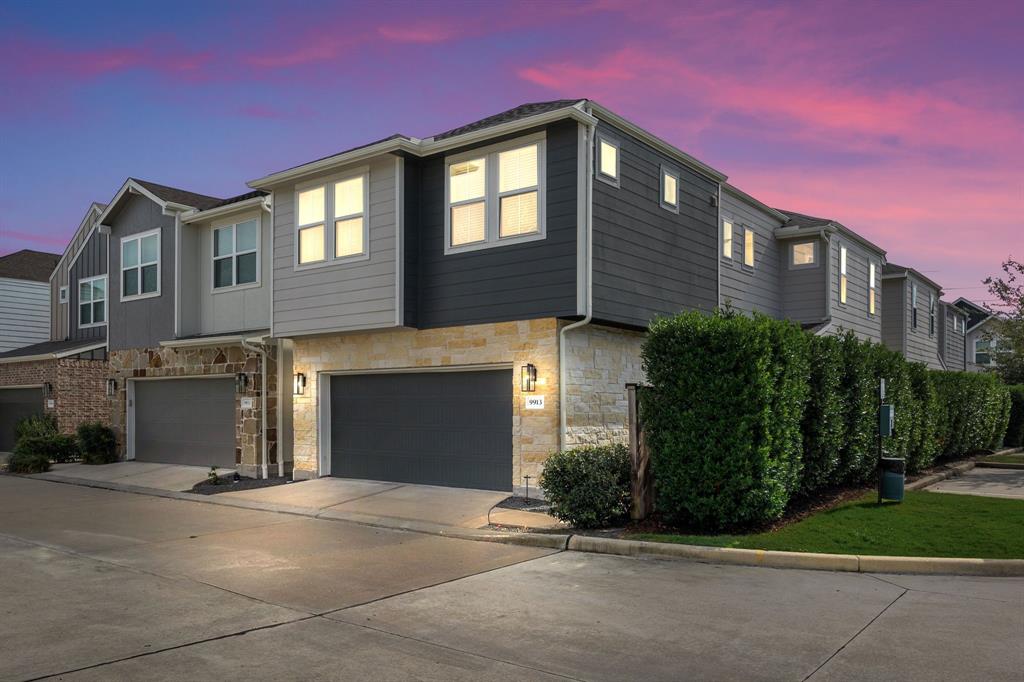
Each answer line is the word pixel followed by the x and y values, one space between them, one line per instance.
pixel 88 221
pixel 803 220
pixel 892 270
pixel 180 196
pixel 801 224
pixel 976 314
pixel 514 114
pixel 226 207
pixel 50 350
pixel 27 264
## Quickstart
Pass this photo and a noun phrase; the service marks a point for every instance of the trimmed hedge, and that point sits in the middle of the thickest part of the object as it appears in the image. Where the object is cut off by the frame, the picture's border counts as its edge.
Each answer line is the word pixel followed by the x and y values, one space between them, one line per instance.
pixel 98 443
pixel 743 413
pixel 1015 428
pixel 722 417
pixel 589 486
pixel 35 425
pixel 29 450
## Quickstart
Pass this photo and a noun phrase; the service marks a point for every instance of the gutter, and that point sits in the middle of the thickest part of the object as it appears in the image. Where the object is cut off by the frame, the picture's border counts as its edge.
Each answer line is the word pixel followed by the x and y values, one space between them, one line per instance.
pixel 196 215
pixel 203 341
pixel 563 434
pixel 53 356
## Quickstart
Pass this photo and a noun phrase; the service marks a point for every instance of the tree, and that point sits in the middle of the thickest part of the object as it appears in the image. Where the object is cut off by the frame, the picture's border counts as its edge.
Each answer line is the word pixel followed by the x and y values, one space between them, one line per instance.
pixel 1007 328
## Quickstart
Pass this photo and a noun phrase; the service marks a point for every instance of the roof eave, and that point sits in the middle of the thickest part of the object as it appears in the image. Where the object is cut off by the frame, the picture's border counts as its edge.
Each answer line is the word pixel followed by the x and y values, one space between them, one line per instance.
pixel 737 192
pixel 195 215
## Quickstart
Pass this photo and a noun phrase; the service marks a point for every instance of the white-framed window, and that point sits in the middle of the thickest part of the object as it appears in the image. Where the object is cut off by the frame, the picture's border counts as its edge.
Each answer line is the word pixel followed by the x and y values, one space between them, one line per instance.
pixel 495 195
pixel 803 255
pixel 140 265
pixel 236 258
pixel 872 288
pixel 607 160
pixel 913 306
pixel 931 314
pixel 748 247
pixel 727 239
pixel 331 224
pixel 844 280
pixel 62 294
pixel 983 351
pixel 669 190
pixel 92 302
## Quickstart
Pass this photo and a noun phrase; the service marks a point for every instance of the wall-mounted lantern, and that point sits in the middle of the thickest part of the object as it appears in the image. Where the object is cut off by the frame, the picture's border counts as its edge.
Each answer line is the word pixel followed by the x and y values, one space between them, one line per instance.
pixel 47 390
pixel 111 387
pixel 299 384
pixel 529 384
pixel 241 382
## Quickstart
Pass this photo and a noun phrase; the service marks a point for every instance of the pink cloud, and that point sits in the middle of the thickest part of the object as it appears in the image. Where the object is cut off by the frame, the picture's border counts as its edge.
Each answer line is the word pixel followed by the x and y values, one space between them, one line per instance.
pixel 13 240
pixel 424 33
pixel 37 58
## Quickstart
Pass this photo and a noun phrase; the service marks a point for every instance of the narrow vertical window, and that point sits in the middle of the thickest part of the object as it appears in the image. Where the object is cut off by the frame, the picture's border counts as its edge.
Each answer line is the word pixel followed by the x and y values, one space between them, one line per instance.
pixel 669 190
pixel 871 288
pixel 748 247
pixel 348 217
pixel 518 190
pixel 913 306
pixel 311 235
pixel 608 161
pixel 727 239
pixel 467 189
pixel 931 314
pixel 843 279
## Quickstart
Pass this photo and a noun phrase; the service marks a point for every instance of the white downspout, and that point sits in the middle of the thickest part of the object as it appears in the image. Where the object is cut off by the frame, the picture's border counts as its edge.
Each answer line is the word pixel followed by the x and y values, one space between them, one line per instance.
pixel 563 434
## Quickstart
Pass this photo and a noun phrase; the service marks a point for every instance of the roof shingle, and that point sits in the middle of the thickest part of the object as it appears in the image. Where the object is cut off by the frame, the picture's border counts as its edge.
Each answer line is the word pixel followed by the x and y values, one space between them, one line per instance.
pixel 514 114
pixel 35 266
pixel 180 196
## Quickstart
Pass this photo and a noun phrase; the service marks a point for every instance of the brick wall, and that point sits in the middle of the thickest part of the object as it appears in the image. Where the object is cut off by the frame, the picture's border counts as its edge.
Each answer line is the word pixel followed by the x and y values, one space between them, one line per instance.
pixel 78 388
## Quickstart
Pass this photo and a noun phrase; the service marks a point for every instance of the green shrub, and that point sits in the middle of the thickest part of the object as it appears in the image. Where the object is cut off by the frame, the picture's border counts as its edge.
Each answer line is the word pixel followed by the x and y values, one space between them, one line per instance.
pixel 56 447
pixel 924 444
pixel 35 425
pixel 98 443
pixel 892 367
pixel 1015 428
pixel 722 416
pixel 999 411
pixel 824 421
pixel 588 487
pixel 973 412
pixel 28 458
pixel 857 458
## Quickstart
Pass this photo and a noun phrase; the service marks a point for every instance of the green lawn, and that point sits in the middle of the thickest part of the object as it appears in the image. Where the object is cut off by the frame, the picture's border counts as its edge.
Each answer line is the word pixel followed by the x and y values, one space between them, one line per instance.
pixel 1013 458
pixel 925 524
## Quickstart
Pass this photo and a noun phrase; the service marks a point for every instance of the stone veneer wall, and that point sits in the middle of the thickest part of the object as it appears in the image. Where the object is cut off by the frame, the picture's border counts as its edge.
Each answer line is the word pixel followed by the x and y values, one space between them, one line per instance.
pixel 600 362
pixel 535 432
pixel 79 388
pixel 205 361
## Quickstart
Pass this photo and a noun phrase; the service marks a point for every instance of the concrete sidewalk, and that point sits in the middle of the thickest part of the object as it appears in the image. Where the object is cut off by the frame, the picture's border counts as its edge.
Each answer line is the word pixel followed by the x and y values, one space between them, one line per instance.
pixel 1007 483
pixel 175 477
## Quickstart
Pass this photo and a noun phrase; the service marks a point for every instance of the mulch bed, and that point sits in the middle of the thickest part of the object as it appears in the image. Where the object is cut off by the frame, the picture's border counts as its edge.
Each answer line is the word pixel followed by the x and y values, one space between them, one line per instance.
pixel 524 504
pixel 227 484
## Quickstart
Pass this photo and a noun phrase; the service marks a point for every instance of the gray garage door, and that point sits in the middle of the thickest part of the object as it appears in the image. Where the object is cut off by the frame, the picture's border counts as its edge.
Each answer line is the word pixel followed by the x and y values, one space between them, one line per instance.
pixel 433 428
pixel 185 421
pixel 15 404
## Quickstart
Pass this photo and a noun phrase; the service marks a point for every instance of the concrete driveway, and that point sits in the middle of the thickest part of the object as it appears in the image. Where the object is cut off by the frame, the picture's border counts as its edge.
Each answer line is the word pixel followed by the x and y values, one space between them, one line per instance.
pixel 143 474
pixel 1008 483
pixel 103 585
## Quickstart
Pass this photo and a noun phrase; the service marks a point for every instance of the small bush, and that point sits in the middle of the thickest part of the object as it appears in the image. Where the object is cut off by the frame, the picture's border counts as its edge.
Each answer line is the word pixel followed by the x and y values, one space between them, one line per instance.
pixel 924 444
pixel 588 487
pixel 26 459
pixel 35 425
pixel 98 443
pixel 1015 429
pixel 56 447
pixel 824 423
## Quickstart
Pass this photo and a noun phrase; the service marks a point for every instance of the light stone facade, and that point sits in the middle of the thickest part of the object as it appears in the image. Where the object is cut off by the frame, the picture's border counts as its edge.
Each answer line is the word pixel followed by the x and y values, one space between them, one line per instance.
pixel 228 359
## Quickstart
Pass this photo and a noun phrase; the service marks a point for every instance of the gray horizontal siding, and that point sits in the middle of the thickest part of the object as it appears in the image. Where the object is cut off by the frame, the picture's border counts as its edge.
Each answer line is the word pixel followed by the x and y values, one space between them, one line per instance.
pixel 952 340
pixel 91 262
pixel 24 313
pixel 853 315
pixel 649 261
pixel 342 296
pixel 756 289
pixel 228 310
pixel 922 346
pixel 804 290
pixel 894 305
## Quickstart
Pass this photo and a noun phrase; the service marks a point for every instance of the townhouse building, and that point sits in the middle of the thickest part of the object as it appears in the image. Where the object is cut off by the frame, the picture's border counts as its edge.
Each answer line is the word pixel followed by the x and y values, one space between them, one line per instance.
pixel 25 298
pixel 952 337
pixel 911 322
pixel 979 336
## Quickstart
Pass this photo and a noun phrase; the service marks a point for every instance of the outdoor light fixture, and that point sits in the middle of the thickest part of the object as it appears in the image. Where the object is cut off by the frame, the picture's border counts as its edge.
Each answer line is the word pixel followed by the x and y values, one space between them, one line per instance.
pixel 529 378
pixel 299 384
pixel 47 389
pixel 241 382
pixel 111 387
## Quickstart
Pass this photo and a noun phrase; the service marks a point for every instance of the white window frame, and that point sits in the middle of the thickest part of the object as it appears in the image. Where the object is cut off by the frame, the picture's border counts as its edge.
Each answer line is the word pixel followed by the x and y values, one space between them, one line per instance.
pixel 727 244
pixel 329 220
pixel 872 288
pixel 600 139
pixel 62 294
pixel 159 265
pixel 750 256
pixel 235 254
pixel 492 197
pixel 844 276
pixel 991 347
pixel 106 299
pixel 666 173
pixel 932 320
pixel 815 245
pixel 913 305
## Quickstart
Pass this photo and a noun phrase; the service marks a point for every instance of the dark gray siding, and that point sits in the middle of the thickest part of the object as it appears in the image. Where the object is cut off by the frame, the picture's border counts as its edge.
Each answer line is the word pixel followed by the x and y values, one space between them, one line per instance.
pixel 744 288
pixel 410 244
pixel 146 322
pixel 510 282
pixel 951 340
pixel 92 261
pixel 648 261
pixel 894 304
pixel 804 290
pixel 921 345
pixel 853 315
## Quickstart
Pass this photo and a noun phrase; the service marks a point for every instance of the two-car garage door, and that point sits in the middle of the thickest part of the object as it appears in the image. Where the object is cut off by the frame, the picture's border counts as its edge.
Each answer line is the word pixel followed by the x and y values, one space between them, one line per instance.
pixel 16 404
pixel 185 421
pixel 435 428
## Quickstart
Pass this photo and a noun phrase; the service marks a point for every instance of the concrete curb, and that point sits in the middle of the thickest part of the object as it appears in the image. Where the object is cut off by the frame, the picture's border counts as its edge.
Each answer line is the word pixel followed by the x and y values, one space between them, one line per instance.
pixel 850 563
pixel 957 470
pixel 999 465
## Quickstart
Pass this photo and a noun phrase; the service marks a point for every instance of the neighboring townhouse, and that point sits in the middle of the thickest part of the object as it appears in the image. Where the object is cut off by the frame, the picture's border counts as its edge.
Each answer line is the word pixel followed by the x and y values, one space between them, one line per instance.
pixel 190 361
pixel 952 337
pixel 64 375
pixel 25 298
pixel 815 271
pixel 979 338
pixel 453 309
pixel 910 320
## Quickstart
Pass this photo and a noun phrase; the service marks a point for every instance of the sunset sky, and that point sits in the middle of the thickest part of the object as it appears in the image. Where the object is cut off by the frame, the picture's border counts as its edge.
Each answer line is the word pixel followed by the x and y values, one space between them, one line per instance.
pixel 904 121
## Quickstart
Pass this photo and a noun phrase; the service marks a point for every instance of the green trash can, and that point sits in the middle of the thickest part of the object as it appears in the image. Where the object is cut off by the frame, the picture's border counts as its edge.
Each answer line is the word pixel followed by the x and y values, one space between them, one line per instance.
pixel 893 474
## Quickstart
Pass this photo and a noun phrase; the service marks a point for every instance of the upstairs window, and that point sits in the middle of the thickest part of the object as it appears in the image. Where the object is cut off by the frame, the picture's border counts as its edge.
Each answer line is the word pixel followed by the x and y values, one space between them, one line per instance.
pixel 843 279
pixel 931 314
pixel 608 161
pixel 983 351
pixel 344 200
pixel 748 247
pixel 236 254
pixel 495 196
pixel 872 291
pixel 804 255
pixel 727 239
pixel 140 265
pixel 63 294
pixel 669 190
pixel 913 306
pixel 92 302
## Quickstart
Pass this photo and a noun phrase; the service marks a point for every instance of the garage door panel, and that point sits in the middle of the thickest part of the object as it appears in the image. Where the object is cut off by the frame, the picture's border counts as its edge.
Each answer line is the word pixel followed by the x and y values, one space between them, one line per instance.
pixel 442 428
pixel 185 421
pixel 15 405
